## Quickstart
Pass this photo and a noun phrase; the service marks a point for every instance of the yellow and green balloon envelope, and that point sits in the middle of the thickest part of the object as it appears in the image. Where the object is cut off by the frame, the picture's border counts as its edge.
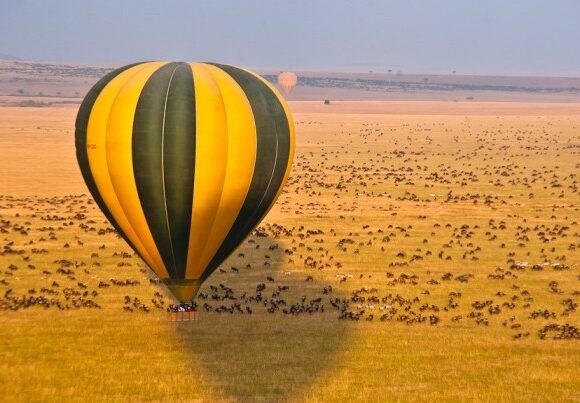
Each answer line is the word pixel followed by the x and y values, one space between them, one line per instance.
pixel 184 159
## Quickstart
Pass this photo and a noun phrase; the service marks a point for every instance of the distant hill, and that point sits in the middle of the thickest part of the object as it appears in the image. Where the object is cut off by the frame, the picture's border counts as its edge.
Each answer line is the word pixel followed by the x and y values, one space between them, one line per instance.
pixel 22 78
pixel 8 57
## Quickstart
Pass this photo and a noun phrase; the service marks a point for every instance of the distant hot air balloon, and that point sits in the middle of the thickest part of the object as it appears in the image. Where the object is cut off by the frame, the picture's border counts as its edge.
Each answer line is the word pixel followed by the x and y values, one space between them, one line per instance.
pixel 184 159
pixel 287 80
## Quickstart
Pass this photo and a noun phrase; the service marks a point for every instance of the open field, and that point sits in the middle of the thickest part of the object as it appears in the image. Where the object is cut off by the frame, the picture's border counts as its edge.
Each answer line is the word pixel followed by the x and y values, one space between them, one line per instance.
pixel 430 251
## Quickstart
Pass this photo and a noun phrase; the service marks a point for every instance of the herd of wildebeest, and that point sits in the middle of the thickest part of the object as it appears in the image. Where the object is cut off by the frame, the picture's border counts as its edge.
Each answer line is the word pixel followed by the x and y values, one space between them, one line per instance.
pixel 468 223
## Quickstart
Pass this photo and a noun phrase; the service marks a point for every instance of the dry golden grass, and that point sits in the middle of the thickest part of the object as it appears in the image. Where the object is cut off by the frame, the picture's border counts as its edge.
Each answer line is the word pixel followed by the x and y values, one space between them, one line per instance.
pixel 373 201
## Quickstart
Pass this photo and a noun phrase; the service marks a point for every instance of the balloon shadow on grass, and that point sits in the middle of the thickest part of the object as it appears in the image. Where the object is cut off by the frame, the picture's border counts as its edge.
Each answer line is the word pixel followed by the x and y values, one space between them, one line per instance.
pixel 263 355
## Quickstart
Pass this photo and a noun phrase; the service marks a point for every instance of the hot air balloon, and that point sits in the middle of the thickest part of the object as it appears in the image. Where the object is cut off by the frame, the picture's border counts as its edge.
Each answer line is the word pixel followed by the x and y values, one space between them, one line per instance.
pixel 184 160
pixel 287 80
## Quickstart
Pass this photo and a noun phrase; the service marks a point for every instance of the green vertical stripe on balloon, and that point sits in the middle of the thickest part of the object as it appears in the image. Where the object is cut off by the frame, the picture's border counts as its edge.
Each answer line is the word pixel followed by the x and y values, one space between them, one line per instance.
pixel 179 162
pixel 147 150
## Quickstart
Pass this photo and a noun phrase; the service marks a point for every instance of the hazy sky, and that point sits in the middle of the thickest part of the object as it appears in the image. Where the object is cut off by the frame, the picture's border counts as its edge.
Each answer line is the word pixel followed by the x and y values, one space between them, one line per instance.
pixel 470 36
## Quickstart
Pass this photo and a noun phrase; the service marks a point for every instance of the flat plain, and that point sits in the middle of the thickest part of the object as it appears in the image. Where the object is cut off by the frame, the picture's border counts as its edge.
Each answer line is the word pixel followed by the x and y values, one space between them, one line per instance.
pixel 420 251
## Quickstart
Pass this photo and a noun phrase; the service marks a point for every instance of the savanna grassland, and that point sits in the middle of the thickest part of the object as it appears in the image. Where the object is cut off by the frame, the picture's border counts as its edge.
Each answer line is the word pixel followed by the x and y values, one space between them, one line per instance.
pixel 412 256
